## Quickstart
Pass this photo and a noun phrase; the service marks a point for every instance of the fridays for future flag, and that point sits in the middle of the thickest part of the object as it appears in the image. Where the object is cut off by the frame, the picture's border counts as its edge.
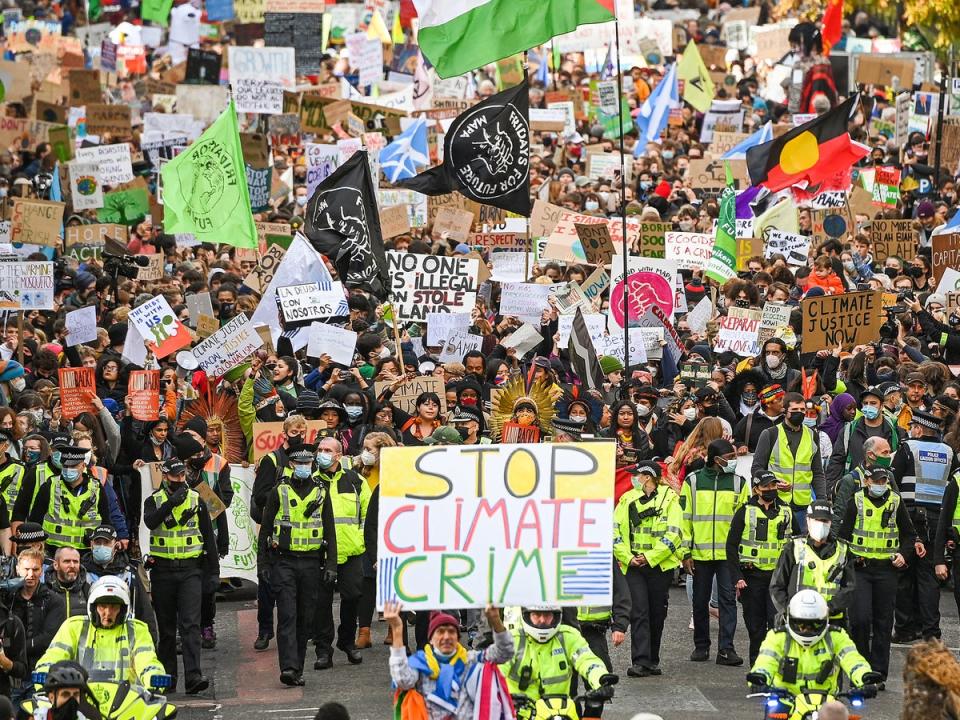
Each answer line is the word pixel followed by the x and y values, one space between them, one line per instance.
pixel 723 262
pixel 458 36
pixel 205 188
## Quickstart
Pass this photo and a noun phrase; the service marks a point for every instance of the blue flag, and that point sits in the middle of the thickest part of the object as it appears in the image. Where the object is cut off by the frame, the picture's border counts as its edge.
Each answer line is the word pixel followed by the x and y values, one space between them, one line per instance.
pixel 653 116
pixel 401 159
pixel 739 151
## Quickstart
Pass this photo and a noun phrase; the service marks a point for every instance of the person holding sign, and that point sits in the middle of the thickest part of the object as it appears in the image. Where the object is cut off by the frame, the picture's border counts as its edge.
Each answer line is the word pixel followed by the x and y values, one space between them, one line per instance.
pixel 646 544
pixel 299 526
pixel 433 677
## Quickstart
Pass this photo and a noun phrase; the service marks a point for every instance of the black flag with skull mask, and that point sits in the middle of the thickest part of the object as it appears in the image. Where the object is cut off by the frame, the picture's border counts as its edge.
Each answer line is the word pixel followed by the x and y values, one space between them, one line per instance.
pixel 343 223
pixel 486 154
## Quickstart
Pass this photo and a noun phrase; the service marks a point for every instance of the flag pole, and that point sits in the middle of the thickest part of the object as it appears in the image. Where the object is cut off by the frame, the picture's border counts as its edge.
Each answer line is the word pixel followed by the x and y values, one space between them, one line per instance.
pixel 944 99
pixel 623 205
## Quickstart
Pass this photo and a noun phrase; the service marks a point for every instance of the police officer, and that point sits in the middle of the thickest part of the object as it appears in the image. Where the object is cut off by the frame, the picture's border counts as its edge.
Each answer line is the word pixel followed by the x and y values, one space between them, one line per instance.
pixel 814 562
pixel 758 533
pixel 40 468
pixel 207 468
pixel 948 535
pixel 709 498
pixel 298 520
pixel 922 466
pixel 182 549
pixel 349 495
pixel 270 472
pixel 792 452
pixel 877 454
pixel 11 472
pixel 647 546
pixel 807 653
pixel 72 506
pixel 882 541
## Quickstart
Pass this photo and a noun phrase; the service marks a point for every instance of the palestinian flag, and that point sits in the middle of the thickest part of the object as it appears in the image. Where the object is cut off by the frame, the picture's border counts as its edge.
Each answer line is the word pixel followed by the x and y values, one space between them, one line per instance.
pixel 458 36
pixel 808 155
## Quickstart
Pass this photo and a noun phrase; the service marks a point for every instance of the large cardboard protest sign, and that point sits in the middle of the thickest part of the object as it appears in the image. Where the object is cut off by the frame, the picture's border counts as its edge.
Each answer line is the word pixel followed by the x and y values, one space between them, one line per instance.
pixel 596 242
pixel 841 320
pixel 143 389
pixel 946 254
pixel 464 527
pixel 227 347
pixel 653 238
pixel 423 284
pixel 268 436
pixel 893 237
pixel 78 387
pixel 36 222
pixel 405 396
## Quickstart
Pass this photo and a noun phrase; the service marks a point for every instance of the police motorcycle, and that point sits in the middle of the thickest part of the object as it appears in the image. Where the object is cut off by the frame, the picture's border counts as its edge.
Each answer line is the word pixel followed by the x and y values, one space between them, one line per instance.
pixel 781 704
pixel 115 700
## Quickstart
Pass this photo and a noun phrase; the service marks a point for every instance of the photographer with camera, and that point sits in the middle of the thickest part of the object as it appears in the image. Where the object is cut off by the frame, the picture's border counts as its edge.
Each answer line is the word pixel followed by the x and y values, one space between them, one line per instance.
pixel 940 333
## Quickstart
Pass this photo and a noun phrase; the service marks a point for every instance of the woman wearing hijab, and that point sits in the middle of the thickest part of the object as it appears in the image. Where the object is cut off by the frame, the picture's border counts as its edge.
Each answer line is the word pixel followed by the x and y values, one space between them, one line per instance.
pixel 842 410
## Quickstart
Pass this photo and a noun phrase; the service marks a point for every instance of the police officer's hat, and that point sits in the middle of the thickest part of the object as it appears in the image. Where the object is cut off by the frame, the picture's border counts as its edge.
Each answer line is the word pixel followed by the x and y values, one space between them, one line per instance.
pixel 173 466
pixel 925 419
pixel 302 454
pixel 881 474
pixel 71 455
pixel 567 427
pixel 820 510
pixel 764 477
pixel 647 467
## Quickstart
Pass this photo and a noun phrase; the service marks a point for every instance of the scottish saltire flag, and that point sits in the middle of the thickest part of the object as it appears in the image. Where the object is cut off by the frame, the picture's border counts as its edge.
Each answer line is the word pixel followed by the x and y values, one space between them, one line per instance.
pixel 401 159
pixel 739 151
pixel 652 118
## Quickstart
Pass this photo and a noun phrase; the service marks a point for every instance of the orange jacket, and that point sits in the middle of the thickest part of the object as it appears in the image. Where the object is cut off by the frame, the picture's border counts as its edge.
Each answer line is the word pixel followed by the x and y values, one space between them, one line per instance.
pixel 831 284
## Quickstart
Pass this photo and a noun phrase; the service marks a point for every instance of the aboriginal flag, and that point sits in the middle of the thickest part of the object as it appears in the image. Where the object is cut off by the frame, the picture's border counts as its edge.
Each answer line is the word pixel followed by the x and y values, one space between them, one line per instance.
pixel 809 155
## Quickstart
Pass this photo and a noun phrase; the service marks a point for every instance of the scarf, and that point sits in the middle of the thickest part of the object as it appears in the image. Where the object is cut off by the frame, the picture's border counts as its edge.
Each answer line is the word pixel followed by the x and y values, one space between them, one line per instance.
pixel 447 675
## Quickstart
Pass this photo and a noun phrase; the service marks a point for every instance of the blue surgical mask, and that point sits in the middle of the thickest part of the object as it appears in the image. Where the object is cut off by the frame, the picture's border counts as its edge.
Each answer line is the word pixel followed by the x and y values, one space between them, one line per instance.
pixel 324 460
pixel 354 411
pixel 870 412
pixel 70 474
pixel 810 422
pixel 55 457
pixel 301 472
pixel 667 154
pixel 102 554
pixel 645 184
pixel 876 490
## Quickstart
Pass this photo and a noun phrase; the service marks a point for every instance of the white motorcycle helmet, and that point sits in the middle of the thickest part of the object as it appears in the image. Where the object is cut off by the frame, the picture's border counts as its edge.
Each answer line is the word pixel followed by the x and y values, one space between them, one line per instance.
pixel 807 617
pixel 535 632
pixel 108 589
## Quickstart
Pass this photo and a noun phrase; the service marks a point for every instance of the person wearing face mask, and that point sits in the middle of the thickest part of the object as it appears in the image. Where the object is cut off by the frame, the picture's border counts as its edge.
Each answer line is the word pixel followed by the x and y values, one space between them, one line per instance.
pixel 792 452
pixel 848 450
pixel 12 471
pixel 299 525
pixel 208 468
pixel 13 650
pixel 759 531
pixel 882 540
pixel 468 421
pixel 646 545
pixel 767 412
pixel 894 408
pixel 772 365
pixel 815 562
pixel 713 404
pixel 65 694
pixel 106 557
pixel 876 451
pixel 72 505
pixel 349 497
pixel 645 398
pixel 182 551
pixel 923 466
pixel 709 498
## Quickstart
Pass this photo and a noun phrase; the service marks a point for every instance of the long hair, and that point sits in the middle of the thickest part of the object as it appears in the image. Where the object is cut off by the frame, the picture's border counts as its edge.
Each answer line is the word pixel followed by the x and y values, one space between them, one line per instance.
pixel 703 433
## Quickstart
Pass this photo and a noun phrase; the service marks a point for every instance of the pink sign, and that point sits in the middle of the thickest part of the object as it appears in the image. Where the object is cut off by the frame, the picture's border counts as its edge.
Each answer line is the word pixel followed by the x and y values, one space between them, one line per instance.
pixel 644 290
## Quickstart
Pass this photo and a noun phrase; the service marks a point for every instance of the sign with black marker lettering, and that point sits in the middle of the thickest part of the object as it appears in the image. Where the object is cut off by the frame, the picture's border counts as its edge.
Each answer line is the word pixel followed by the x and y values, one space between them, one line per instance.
pixel 423 284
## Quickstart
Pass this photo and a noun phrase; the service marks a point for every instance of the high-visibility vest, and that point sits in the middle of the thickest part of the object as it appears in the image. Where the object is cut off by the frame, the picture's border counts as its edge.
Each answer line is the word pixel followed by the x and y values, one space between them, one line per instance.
pixel 11 479
pixel 540 669
pixel 817 667
pixel 798 471
pixel 932 461
pixel 817 573
pixel 594 613
pixel 646 532
pixel 297 532
pixel 956 505
pixel 70 517
pixel 348 516
pixel 875 533
pixel 183 540
pixel 709 513
pixel 762 542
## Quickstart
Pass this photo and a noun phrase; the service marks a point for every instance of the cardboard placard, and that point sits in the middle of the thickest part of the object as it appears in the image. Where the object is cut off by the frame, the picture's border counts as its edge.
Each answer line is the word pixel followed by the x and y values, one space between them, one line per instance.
pixel 405 396
pixel 268 436
pixel 207 325
pixel 96 234
pixel 946 254
pixel 394 220
pixel 108 119
pixel 36 222
pixel 893 237
pixel 143 389
pixel 78 386
pixel 653 238
pixel 153 271
pixel 841 320
pixel 260 277
pixel 429 283
pixel 596 242
pixel 455 223
pixel 881 69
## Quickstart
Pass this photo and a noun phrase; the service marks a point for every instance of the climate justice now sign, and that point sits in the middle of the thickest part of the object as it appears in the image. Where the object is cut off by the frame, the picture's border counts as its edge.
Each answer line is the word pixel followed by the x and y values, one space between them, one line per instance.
pixel 462 527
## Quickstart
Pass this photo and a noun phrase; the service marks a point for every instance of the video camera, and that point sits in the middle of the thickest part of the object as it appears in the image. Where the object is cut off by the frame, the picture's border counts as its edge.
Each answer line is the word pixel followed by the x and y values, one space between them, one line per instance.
pixel 124 265
pixel 9 580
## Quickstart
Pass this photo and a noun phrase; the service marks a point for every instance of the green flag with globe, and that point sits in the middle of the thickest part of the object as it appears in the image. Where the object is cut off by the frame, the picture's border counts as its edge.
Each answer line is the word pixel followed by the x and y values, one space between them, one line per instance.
pixel 205 188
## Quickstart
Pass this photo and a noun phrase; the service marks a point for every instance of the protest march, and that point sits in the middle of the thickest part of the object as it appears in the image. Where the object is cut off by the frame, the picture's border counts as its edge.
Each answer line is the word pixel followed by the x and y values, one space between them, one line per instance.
pixel 558 359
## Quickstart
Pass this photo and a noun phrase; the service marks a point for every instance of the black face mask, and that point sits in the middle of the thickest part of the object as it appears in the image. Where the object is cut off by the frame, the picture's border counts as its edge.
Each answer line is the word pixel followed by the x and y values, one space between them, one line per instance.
pixel 914 271
pixel 890 272
pixel 749 399
pixel 464 433
pixel 197 463
pixel 711 411
pixel 796 418
pixel 768 495
pixel 67 711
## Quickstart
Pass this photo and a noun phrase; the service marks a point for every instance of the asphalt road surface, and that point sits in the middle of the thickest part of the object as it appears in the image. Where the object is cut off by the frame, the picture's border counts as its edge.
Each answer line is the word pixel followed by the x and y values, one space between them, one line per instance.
pixel 245 683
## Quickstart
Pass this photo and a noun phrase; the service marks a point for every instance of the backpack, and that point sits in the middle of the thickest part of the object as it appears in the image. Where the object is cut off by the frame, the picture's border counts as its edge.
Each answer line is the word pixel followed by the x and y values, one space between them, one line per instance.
pixel 818 81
